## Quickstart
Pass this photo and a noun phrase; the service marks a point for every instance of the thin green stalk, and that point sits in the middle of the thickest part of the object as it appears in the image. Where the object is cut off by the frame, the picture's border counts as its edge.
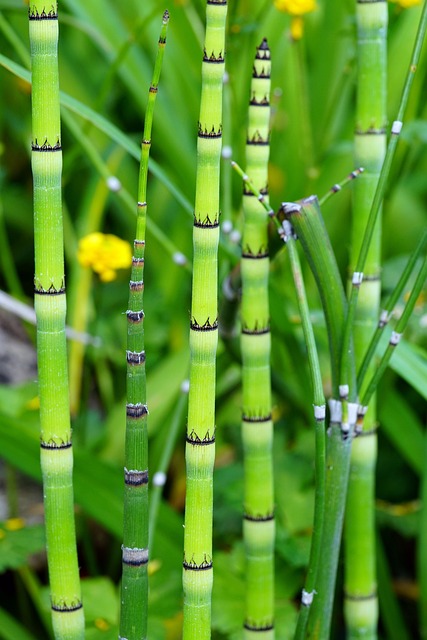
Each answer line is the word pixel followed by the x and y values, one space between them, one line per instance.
pixel 50 307
pixel 339 185
pixel 310 590
pixel 257 424
pixel 387 311
pixel 395 335
pixel 306 219
pixel 361 602
pixel 134 588
pixel 200 441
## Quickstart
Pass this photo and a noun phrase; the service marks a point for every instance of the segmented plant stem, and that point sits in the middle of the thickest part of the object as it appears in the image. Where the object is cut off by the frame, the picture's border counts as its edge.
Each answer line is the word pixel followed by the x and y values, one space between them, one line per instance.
pixel 50 307
pixel 361 603
pixel 134 589
pixel 257 424
pixel 200 441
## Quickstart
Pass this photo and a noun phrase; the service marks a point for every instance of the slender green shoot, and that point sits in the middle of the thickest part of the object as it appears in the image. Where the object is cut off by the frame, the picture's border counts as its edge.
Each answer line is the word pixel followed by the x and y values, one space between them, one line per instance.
pixel 396 334
pixel 134 588
pixel 387 311
pixel 200 440
pixel 310 589
pixel 340 185
pixel 50 308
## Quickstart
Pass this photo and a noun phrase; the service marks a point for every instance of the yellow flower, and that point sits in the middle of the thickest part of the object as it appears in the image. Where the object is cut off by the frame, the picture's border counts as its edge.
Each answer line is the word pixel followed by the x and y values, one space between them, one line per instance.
pixel 295 7
pixel 104 253
pixel 406 4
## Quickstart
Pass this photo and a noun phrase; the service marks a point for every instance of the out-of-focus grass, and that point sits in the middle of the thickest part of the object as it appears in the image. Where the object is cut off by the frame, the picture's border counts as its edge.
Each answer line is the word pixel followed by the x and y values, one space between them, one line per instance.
pixel 106 57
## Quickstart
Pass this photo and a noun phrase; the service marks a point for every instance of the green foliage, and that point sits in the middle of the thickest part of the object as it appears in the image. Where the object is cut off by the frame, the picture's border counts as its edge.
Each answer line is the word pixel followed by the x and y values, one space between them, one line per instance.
pixel 106 60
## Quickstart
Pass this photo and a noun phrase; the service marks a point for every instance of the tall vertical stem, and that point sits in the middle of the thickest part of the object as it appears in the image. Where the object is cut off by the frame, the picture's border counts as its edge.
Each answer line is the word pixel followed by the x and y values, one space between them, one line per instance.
pixel 257 425
pixel 134 589
pixel 50 307
pixel 361 605
pixel 200 441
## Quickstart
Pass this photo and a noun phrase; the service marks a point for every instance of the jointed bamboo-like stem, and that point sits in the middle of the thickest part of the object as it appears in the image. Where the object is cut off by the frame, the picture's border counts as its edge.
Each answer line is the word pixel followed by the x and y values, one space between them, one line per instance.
pixel 200 441
pixel 134 589
pixel 50 307
pixel 361 603
pixel 257 425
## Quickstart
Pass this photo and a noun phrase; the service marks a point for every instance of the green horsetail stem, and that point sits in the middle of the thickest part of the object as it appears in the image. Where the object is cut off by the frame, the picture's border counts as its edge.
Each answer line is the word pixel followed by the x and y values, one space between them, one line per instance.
pixel 257 424
pixel 360 587
pixel 134 588
pixel 306 219
pixel 200 441
pixel 50 307
pixel 319 409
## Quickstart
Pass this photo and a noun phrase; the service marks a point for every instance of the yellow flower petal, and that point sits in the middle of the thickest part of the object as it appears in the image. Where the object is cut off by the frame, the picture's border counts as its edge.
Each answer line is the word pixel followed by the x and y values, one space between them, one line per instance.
pixel 295 7
pixel 104 253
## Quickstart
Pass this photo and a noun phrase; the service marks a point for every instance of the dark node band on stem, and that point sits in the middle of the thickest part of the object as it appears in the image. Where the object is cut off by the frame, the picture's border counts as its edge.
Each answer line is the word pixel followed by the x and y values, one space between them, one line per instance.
pixel 213 133
pixel 261 254
pixel 135 357
pixel 135 316
pixel 372 131
pixel 224 2
pixel 364 598
pixel 257 139
pixel 256 331
pixel 46 146
pixel 134 557
pixel 264 102
pixel 193 566
pixel 206 223
pixel 33 13
pixel 138 410
pixel 207 326
pixel 215 59
pixel 252 626
pixel 135 478
pixel 137 262
pixel 136 285
pixel 193 439
pixel 51 444
pixel 263 73
pixel 52 291
pixel 63 607
pixel 259 518
pixel 258 419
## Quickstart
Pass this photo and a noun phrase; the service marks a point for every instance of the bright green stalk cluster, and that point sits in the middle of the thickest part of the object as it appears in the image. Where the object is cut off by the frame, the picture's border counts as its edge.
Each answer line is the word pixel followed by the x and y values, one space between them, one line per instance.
pixel 200 441
pixel 257 424
pixel 50 307
pixel 134 590
pixel 361 603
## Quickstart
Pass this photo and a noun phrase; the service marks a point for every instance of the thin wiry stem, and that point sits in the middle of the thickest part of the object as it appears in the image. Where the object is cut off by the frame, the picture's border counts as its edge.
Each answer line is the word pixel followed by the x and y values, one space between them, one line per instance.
pixel 134 589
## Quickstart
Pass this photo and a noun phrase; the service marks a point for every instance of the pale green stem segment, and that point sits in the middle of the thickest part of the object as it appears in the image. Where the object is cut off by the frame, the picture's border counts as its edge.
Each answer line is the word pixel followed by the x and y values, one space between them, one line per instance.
pixel 200 441
pixel 361 602
pixel 257 424
pixel 50 307
pixel 134 588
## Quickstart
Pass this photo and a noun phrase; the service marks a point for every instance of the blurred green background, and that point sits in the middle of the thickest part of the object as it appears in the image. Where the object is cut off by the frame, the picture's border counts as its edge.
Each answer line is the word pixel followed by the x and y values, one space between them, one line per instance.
pixel 106 54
